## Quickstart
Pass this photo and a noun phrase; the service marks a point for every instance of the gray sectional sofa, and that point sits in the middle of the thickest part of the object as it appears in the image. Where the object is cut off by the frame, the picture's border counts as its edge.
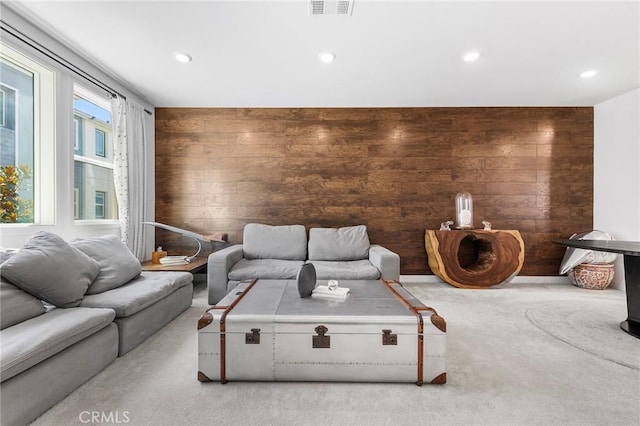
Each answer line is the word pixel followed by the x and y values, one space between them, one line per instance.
pixel 68 310
pixel 278 252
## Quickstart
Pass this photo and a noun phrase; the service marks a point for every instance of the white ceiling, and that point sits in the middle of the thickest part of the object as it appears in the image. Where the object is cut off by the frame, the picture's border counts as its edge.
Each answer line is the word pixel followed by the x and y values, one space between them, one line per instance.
pixel 388 53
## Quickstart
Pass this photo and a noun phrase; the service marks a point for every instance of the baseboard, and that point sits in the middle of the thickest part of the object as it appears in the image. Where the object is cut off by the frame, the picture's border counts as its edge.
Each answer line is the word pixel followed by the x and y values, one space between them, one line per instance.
pixel 520 279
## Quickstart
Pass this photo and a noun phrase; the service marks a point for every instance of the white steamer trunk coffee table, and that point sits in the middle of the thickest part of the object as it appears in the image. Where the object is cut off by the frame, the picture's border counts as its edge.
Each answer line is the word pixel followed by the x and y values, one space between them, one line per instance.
pixel 264 331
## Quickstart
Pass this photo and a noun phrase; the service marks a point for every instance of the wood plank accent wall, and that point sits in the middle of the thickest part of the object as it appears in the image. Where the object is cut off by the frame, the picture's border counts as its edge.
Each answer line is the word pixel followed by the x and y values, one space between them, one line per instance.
pixel 397 170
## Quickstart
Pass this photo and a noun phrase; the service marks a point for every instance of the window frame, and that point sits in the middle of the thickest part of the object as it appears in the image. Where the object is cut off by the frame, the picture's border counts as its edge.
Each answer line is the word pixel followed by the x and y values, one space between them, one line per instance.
pixel 103 151
pixel 44 133
pixel 3 106
pixel 100 98
pixel 103 204
pixel 76 134
pixel 76 204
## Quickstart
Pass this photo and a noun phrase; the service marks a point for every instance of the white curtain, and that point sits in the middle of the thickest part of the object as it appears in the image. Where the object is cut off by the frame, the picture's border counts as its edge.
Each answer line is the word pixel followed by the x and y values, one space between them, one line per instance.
pixel 131 145
pixel 121 164
pixel 139 207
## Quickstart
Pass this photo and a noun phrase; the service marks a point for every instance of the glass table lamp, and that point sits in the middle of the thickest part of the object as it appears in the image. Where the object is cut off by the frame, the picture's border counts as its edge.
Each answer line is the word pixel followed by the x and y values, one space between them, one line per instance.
pixel 464 210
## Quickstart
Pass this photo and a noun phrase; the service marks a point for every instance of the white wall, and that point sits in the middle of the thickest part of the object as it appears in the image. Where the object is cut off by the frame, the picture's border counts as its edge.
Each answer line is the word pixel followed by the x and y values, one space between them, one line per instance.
pixel 616 174
pixel 65 226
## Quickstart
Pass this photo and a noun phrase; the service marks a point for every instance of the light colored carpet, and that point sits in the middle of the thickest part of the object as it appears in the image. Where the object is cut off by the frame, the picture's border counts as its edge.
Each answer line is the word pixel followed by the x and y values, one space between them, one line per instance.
pixel 518 354
pixel 592 326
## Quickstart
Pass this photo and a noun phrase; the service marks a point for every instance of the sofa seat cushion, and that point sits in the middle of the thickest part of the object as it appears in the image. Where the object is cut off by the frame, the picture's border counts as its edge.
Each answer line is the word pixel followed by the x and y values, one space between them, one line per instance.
pixel 274 242
pixel 141 292
pixel 338 244
pixel 345 270
pixel 16 305
pixel 31 342
pixel 267 269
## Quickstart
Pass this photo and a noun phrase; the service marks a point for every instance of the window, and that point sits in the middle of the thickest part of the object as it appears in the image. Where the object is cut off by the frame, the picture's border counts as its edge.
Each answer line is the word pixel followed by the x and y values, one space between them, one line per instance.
pixel 76 204
pixel 100 141
pixel 100 200
pixel 2 107
pixel 8 116
pixel 77 135
pixel 27 139
pixel 94 189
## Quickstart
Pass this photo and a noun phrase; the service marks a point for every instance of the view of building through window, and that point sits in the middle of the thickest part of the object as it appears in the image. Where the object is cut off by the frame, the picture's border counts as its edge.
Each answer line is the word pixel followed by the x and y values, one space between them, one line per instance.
pixel 16 141
pixel 94 192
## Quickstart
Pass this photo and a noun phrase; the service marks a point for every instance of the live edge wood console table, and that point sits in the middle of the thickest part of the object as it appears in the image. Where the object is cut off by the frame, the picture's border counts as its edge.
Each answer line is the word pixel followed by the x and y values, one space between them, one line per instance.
pixel 474 258
pixel 631 252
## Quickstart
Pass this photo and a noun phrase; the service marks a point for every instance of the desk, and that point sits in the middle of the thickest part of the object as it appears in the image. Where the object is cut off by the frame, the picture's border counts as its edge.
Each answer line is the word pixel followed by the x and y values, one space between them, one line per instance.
pixel 197 264
pixel 631 252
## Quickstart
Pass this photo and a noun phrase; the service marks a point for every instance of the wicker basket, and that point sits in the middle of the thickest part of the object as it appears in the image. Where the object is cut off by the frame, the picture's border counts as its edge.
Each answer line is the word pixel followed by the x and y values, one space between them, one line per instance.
pixel 592 276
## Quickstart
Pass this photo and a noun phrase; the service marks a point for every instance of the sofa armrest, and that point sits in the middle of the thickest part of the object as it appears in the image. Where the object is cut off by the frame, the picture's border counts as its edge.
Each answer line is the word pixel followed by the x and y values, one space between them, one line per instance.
pixel 218 266
pixel 386 261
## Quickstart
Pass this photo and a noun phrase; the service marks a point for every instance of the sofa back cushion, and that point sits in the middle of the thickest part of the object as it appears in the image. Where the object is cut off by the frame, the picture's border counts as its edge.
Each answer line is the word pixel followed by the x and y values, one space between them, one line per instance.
pixel 51 270
pixel 287 242
pixel 6 254
pixel 348 243
pixel 118 265
pixel 16 305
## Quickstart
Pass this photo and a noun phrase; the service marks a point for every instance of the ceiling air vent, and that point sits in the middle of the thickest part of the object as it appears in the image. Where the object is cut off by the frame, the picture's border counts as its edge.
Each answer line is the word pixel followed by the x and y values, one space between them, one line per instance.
pixel 331 7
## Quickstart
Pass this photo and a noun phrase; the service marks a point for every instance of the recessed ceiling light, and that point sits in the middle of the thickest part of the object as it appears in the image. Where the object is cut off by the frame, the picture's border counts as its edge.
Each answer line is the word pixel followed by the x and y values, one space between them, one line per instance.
pixel 588 74
pixel 327 57
pixel 471 56
pixel 182 57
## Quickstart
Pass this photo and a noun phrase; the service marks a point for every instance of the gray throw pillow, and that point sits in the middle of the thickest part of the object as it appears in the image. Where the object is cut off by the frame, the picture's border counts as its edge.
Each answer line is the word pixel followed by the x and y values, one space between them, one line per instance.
pixel 348 243
pixel 51 270
pixel 118 265
pixel 16 305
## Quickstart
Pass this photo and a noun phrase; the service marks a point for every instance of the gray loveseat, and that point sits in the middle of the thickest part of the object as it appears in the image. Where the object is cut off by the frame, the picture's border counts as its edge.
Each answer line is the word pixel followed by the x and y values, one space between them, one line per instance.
pixel 278 252
pixel 98 304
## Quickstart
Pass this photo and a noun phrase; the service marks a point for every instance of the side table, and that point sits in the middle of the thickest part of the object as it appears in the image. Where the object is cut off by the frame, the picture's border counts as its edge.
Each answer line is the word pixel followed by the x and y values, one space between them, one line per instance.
pixel 196 265
pixel 475 258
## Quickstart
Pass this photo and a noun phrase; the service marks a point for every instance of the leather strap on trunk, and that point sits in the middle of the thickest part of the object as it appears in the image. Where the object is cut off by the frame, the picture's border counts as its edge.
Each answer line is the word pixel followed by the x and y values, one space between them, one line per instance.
pixel 417 312
pixel 223 329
